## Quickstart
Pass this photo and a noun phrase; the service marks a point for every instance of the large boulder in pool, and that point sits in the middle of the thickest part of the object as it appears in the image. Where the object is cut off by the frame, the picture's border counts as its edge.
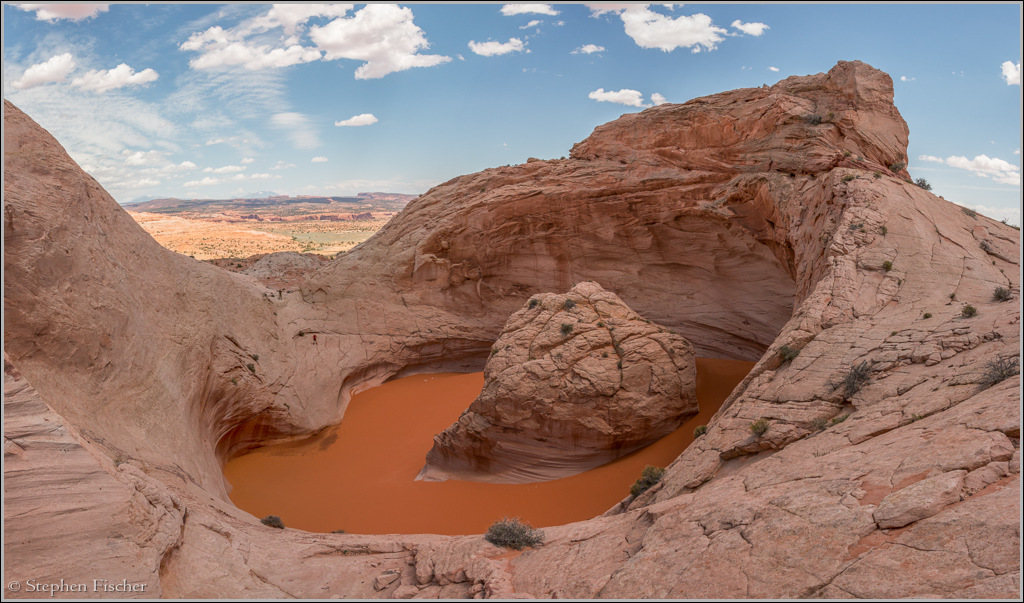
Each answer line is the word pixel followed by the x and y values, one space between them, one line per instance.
pixel 572 382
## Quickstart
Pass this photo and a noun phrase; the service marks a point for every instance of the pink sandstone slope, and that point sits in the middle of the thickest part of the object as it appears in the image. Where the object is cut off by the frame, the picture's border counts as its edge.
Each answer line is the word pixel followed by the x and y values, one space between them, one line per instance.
pixel 738 220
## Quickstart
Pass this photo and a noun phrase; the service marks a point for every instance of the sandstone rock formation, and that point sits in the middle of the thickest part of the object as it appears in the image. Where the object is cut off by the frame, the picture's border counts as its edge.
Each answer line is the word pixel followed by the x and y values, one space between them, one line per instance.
pixel 572 382
pixel 746 221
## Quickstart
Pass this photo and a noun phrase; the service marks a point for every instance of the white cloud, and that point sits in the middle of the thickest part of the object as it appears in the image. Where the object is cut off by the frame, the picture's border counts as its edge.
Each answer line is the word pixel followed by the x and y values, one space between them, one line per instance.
pixel 382 35
pixel 226 48
pixel 1011 73
pixel 208 181
pixel 1017 152
pixel 773 68
pixel 588 49
pixel 658 99
pixel 596 10
pixel 291 17
pixel 142 158
pixel 319 159
pixel 247 160
pixel 533 23
pixel 299 130
pixel 226 169
pixel 653 30
pixel 904 78
pixel 142 182
pixel 625 96
pixel 263 176
pixel 283 165
pixel 523 9
pixel 118 77
pixel 55 69
pixel 997 169
pixel 751 29
pixel 363 119
pixel 75 12
pixel 490 49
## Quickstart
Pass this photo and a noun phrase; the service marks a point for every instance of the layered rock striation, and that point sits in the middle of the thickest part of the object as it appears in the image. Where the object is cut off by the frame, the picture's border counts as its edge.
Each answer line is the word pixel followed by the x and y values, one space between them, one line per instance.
pixel 572 382
pixel 760 224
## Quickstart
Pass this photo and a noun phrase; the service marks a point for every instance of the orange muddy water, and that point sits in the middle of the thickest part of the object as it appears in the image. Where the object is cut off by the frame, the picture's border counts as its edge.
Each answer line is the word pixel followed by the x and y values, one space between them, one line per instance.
pixel 359 475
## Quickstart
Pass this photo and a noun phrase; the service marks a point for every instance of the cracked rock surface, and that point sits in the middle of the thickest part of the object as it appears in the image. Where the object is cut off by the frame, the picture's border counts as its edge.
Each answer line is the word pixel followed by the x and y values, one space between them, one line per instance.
pixel 573 381
pixel 889 462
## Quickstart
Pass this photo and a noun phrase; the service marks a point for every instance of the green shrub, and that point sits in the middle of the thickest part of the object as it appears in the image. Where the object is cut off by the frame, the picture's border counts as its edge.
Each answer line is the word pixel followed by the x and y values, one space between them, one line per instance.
pixel 788 354
pixel 273 521
pixel 251 367
pixel 569 304
pixel 887 265
pixel 600 324
pixel 256 357
pixel 927 314
pixel 839 419
pixel 897 167
pixel 758 427
pixel 968 311
pixel 878 175
pixel 970 212
pixel 813 119
pixel 819 423
pixel 847 153
pixel 699 431
pixel 952 297
pixel 849 177
pixel 648 477
pixel 923 184
pixel 533 303
pixel 1001 294
pixel 618 364
pixel 885 231
pixel 999 370
pixel 337 531
pixel 513 533
pixel 566 328
pixel 855 379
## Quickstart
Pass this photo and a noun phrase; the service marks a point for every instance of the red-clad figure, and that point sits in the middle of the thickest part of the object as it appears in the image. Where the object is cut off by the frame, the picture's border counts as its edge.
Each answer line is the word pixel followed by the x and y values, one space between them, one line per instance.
pixel 314 340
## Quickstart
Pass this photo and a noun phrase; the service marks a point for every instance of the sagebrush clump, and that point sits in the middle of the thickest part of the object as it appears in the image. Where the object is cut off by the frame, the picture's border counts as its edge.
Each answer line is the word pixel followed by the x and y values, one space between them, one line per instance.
pixel 787 354
pixel 1001 294
pixel 648 477
pixel 273 521
pixel 999 370
pixel 513 533
pixel 856 379
pixel 699 431
pixel 759 427
pixel 968 311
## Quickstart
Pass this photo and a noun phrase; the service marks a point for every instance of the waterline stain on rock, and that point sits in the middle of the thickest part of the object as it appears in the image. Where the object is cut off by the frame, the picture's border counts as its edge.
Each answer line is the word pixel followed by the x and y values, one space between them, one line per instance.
pixel 359 476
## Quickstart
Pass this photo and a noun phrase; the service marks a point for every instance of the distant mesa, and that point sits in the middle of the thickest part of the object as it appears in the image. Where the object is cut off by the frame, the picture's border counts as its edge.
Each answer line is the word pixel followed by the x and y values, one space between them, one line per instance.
pixel 267 200
pixel 776 224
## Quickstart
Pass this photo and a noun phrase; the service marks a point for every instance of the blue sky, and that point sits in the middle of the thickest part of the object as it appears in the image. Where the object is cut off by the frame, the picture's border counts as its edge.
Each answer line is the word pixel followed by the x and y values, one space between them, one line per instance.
pixel 213 101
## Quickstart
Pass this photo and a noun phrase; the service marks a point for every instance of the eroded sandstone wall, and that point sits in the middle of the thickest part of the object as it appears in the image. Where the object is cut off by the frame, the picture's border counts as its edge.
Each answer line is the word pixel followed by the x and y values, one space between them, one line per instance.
pixel 745 230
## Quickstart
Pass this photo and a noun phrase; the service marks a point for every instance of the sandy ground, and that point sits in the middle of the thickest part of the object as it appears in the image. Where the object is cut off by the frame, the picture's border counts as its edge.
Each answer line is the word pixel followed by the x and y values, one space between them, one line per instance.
pixel 359 476
pixel 206 239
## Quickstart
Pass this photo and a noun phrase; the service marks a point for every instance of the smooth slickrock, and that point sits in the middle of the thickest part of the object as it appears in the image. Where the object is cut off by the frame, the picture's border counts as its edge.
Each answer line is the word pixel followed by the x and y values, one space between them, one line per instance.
pixel 572 382
pixel 745 221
